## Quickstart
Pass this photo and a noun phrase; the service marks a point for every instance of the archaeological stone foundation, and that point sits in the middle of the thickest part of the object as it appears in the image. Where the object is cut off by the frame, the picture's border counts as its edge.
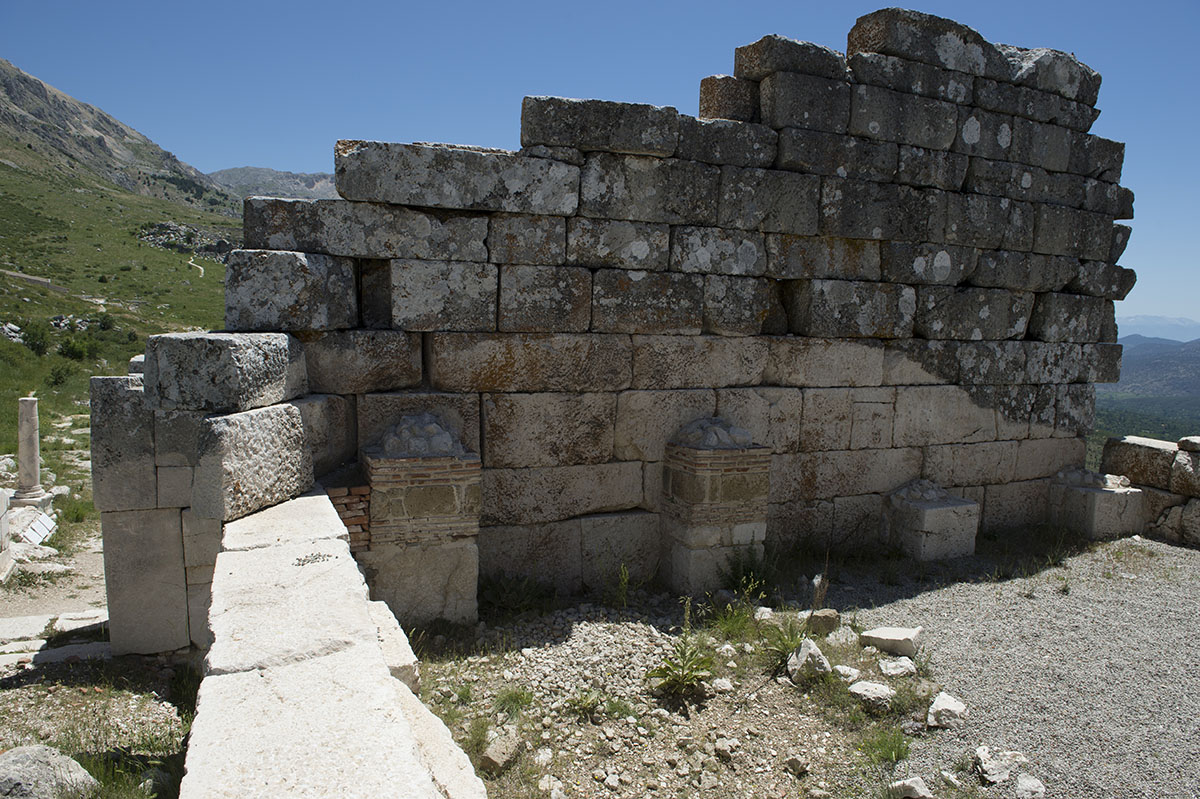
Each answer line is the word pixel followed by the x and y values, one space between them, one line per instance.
pixel 645 340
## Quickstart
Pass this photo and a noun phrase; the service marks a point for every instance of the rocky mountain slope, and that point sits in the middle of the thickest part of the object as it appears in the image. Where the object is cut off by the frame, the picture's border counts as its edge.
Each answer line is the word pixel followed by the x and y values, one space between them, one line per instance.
pixel 247 181
pixel 73 135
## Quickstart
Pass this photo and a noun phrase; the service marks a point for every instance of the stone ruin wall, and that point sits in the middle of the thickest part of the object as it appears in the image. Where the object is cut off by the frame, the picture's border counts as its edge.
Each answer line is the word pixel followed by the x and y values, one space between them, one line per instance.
pixel 894 265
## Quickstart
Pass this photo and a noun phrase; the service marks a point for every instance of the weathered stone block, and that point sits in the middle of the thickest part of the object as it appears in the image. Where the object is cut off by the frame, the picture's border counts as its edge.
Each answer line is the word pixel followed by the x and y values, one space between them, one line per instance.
pixel 1022 411
pixel 926 263
pixel 422 583
pixel 1006 179
pixel 146 581
pixel 1012 506
pixel 1097 513
pixel 991 362
pixel 219 372
pixel 984 463
pixel 591 125
pixel 429 295
pixel 859 209
pixel 646 420
pixel 453 177
pixel 917 166
pixel 547 553
pixel 551 494
pixel 825 475
pixel 1042 145
pixel 791 100
pixel 694 572
pixel 879 113
pixel 710 250
pixel 174 485
pixel 928 39
pixel 971 314
pixel 1100 279
pixel 1075 410
pixel 919 362
pixel 201 539
pixel 290 291
pixel 727 97
pixel 123 454
pixel 983 134
pixel 620 244
pixel 819 153
pixel 614 540
pixel 458 413
pixel 547 429
pixel 1068 317
pixel 1021 271
pixel 1185 474
pixel 772 415
pixel 568 155
pixel 775 53
pixel 1052 363
pixel 724 141
pixel 627 301
pixel 525 239
pixel 1096 157
pixel 768 200
pixel 828 419
pixel 791 257
pixel 1068 231
pixel 1145 461
pixel 250 460
pixel 735 306
pixel 812 362
pixel 990 223
pixel 645 189
pixel 361 361
pixel 1103 362
pixel 529 362
pixel 1053 71
pixel 911 77
pixel 362 230
pixel 329 430
pixel 849 309
pixel 1046 457
pixel 927 415
pixel 930 524
pixel 543 299
pixel 697 361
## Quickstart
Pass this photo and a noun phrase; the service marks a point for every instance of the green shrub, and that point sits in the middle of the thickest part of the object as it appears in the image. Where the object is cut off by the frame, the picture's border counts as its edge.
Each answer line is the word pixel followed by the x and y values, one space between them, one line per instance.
pixel 59 374
pixel 682 672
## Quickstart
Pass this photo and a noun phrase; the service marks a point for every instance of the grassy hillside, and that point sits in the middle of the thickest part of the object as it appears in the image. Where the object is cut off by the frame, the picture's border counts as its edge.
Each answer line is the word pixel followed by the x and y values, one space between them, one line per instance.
pixel 81 232
pixel 1166 418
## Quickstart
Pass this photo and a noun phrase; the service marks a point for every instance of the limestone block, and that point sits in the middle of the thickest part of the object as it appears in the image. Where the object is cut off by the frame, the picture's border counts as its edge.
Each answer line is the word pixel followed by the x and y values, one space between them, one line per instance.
pixel 792 100
pixel 646 420
pixel 928 415
pixel 1067 231
pixel 612 540
pixel 724 141
pixel 592 125
pixel 776 53
pixel 917 166
pixel 1053 71
pixel 1075 410
pixel 911 77
pixel 551 494
pixel 1068 318
pixel 222 372
pixel 697 361
pixel 1021 271
pixel 361 361
pixel 1022 411
pixel 1100 279
pixel 643 189
pixel 250 460
pixel 329 430
pixel 201 539
pixel 823 362
pixel 819 153
pixel 199 597
pixel 930 524
pixel 919 362
pixel 447 763
pixel 568 155
pixel 1103 362
pixel 422 583
pixel 525 239
pixel 620 244
pixel 1189 522
pixel 931 40
pixel 849 309
pixel 727 97
pixel 397 652
pixel 429 295
pixel 859 209
pixel 146 581
pixel 872 418
pixel 1057 362
pixel 543 299
pixel 772 415
pixel 971 464
pixel 1097 157
pixel 827 420
pixel 454 177
pixel 1011 506
pixel 547 429
pixel 1158 507
pixel 458 413
pixel 547 553
pixel 1185 474
pixel 289 291
pixel 989 223
pixel 176 438
pixel 174 485
pixel 768 200
pixel 307 518
pixel 735 306
pixel 991 362
pixel 123 455
pixel 1046 457
pixel 694 572
pixel 249 719
pixel 857 524
pixel 1007 179
pixel 926 263
pixel 1042 145
pixel 628 301
pixel 984 134
pixel 791 257
pixel 529 362
pixel 879 113
pixel 825 475
pixel 800 523
pixel 362 230
pixel 1097 513
pixel 971 314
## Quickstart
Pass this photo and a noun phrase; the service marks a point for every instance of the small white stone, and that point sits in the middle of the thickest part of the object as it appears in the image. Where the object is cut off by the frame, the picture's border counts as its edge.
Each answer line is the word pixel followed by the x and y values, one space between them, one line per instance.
pixel 1029 787
pixel 946 711
pixel 807 659
pixel 873 693
pixel 894 640
pixel 846 673
pixel 722 685
pixel 898 667
pixel 997 768
pixel 911 788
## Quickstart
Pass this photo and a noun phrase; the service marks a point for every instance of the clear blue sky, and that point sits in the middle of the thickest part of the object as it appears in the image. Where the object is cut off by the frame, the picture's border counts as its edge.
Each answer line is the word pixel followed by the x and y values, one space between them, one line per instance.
pixel 224 84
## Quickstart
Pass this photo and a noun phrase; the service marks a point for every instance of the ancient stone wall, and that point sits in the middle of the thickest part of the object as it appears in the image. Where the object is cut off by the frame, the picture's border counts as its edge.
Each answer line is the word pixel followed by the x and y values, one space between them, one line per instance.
pixel 891 265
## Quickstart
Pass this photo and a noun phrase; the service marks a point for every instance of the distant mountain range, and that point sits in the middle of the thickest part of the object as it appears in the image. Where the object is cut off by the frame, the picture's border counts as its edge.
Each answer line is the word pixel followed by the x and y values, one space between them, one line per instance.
pixel 248 181
pixel 1168 327
pixel 1158 367
pixel 70 134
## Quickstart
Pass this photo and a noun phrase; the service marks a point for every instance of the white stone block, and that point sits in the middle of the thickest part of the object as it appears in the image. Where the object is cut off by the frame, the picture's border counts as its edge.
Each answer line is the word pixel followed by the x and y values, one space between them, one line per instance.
pixel 146 581
pixel 930 524
pixel 1097 513
pixel 772 415
pixel 307 518
pixel 550 494
pixel 422 583
pixel 893 640
pixel 361 361
pixel 397 652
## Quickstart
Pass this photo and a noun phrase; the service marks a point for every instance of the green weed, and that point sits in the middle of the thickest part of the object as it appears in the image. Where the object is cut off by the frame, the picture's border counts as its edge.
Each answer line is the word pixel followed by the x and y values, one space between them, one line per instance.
pixel 513 700
pixel 884 746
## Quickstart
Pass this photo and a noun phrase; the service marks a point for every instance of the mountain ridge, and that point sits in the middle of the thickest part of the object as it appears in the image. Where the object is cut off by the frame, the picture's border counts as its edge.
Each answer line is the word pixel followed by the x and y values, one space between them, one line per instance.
pixel 247 181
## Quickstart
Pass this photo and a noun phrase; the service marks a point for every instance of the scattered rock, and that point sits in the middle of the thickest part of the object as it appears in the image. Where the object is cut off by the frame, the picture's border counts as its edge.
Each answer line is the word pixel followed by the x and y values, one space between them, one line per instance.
pixel 795 766
pixel 946 711
pixel 42 772
pixel 997 768
pixel 821 622
pixel 26 553
pixel 543 757
pixel 807 660
pixel 500 753
pixel 872 693
pixel 846 673
pixel 763 614
pixel 898 667
pixel 842 636
pixel 722 685
pixel 549 783
pixel 911 788
pixel 951 780
pixel 893 640
pixel 1029 787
